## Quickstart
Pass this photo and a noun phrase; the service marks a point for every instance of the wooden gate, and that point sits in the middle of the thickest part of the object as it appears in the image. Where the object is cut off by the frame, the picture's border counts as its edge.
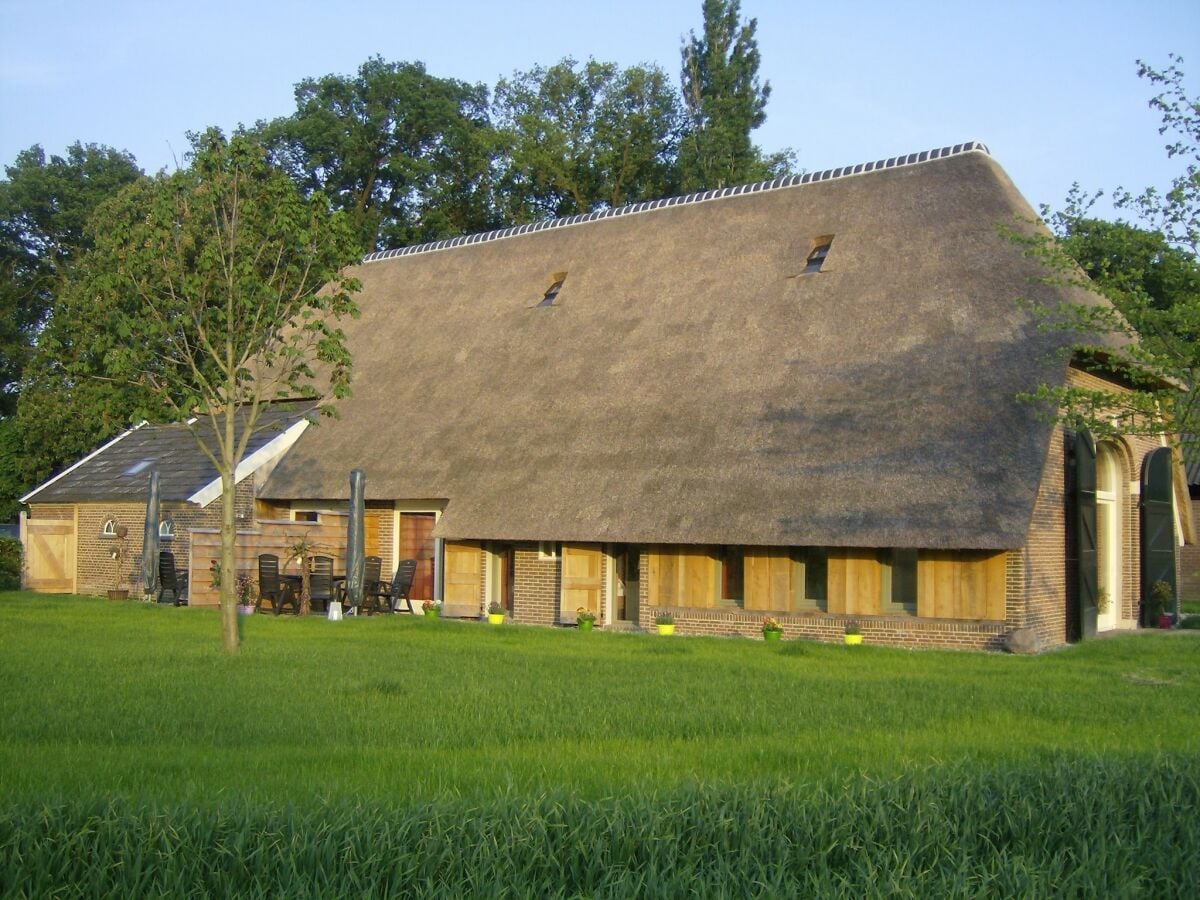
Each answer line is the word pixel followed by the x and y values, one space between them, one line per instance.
pixel 50 555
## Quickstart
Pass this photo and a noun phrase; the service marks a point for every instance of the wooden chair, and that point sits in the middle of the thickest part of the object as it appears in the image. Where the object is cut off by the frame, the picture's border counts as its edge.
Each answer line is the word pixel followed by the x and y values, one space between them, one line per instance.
pixel 320 581
pixel 272 587
pixel 169 581
pixel 400 587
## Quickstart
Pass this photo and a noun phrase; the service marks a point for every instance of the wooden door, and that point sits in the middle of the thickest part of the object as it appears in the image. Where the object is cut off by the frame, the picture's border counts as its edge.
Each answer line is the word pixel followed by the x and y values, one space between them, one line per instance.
pixel 50 555
pixel 464 574
pixel 855 582
pixel 769 574
pixel 582 580
pixel 416 542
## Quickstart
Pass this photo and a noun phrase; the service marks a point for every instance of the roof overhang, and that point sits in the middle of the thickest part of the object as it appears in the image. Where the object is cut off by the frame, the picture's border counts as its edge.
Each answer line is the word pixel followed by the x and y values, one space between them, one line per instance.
pixel 265 454
pixel 67 471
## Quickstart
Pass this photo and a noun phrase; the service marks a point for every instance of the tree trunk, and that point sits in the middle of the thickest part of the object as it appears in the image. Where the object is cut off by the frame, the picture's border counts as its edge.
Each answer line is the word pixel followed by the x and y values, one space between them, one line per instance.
pixel 229 613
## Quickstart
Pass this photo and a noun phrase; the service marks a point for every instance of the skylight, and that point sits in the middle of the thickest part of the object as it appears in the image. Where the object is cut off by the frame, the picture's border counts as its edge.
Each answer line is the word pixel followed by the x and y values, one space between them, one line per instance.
pixel 816 258
pixel 552 291
pixel 140 466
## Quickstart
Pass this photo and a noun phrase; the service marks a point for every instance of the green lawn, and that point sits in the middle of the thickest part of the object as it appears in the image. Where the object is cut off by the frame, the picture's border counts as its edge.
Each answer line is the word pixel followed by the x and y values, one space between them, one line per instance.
pixel 117 712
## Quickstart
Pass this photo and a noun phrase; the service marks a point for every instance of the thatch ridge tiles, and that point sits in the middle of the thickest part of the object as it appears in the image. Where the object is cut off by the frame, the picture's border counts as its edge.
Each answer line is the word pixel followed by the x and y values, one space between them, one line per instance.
pixel 650 205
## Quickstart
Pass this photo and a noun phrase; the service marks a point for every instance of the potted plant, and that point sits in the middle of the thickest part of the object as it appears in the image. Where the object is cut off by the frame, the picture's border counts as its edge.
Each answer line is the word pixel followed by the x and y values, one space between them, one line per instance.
pixel 772 630
pixel 244 588
pixel 431 609
pixel 585 618
pixel 665 623
pixel 495 613
pixel 853 635
pixel 1162 605
pixel 119 553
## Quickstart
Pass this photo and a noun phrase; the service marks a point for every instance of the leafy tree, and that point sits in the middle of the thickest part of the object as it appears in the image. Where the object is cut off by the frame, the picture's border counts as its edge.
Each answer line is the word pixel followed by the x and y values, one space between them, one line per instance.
pixel 217 289
pixel 724 101
pixel 44 206
pixel 1150 337
pixel 581 138
pixel 406 154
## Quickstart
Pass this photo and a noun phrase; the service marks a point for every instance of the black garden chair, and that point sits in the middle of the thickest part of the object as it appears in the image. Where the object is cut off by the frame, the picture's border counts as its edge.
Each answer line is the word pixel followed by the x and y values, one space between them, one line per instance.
pixel 169 581
pixel 320 581
pixel 400 587
pixel 272 587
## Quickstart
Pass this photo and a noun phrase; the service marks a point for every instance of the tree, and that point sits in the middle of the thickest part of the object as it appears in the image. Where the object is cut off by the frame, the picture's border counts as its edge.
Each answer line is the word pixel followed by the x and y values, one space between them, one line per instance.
pixel 724 102
pixel 44 206
pixel 1149 338
pixel 406 154
pixel 581 138
pixel 218 289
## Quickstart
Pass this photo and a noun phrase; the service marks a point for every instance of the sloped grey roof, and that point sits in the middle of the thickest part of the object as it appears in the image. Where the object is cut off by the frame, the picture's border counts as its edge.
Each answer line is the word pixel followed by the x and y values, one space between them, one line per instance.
pixel 120 470
pixel 690 385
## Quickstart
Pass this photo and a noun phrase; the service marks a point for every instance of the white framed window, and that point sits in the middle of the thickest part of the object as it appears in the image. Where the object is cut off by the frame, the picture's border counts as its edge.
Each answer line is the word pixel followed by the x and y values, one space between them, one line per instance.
pixel 109 528
pixel 166 530
pixel 547 550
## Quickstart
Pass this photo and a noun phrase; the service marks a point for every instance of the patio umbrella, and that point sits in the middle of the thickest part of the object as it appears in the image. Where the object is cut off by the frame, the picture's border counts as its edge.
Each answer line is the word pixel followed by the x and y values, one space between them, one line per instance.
pixel 150 539
pixel 355 558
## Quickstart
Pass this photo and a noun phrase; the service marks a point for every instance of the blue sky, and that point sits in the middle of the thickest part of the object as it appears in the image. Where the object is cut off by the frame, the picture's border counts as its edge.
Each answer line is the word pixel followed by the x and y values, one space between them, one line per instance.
pixel 1049 86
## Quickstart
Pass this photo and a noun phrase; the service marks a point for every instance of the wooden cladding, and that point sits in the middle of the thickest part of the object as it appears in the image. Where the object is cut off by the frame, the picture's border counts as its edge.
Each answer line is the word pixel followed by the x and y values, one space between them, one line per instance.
pixel 845 581
pixel 960 585
pixel 684 576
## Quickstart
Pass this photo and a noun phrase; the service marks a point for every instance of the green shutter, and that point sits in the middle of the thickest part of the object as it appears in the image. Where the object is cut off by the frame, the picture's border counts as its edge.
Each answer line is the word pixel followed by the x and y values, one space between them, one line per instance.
pixel 1158 525
pixel 1084 495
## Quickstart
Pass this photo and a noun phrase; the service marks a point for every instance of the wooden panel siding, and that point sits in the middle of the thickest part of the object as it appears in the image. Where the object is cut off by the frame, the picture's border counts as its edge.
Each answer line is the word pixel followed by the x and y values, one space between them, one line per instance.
pixel 682 576
pixel 582 579
pixel 961 585
pixel 769 579
pixel 416 542
pixel 855 582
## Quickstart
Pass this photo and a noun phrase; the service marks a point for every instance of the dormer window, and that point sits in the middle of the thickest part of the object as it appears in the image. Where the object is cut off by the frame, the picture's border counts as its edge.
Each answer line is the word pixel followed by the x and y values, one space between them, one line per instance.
pixel 552 292
pixel 816 257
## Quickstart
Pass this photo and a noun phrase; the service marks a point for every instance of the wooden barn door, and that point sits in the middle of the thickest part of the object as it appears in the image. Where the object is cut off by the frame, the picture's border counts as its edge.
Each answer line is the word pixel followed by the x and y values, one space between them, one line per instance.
pixel 50 555
pixel 582 580
pixel 464 577
pixel 416 542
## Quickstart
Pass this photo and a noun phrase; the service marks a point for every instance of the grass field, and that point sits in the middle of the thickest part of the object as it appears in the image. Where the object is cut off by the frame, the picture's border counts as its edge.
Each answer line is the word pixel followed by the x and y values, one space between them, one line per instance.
pixel 449 757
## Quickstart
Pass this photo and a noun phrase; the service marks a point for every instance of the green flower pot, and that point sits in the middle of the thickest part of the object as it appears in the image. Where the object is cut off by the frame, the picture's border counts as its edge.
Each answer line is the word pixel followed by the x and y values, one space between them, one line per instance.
pixel 772 636
pixel 586 624
pixel 432 613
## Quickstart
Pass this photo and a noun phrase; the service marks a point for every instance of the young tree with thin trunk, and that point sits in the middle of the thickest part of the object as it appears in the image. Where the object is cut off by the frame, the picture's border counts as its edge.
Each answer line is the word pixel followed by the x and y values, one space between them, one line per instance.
pixel 219 289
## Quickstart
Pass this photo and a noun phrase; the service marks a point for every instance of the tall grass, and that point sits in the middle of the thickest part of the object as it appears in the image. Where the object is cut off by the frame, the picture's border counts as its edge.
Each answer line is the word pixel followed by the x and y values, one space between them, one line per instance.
pixel 1114 829
pixel 398 755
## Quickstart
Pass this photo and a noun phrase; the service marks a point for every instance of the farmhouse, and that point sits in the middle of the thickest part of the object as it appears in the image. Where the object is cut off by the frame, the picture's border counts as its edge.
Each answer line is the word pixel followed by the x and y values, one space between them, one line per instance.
pixel 794 399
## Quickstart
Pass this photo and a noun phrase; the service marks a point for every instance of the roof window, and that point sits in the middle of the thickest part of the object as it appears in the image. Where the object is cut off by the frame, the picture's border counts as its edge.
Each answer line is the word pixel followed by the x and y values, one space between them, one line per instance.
pixel 551 294
pixel 816 256
pixel 140 466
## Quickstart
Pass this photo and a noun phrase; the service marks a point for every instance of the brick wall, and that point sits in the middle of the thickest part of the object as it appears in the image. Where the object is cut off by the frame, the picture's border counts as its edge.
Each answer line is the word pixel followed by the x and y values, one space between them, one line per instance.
pixel 1189 559
pixel 536 587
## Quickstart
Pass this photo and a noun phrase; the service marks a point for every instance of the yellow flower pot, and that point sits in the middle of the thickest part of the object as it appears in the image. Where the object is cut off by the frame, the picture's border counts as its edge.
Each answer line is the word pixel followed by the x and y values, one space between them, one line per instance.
pixel 853 639
pixel 666 629
pixel 496 618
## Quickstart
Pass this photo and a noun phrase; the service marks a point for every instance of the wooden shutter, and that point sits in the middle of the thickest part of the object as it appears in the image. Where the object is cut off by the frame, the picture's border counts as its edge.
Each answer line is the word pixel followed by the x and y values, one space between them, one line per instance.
pixel 1158 524
pixel 1084 503
pixel 960 585
pixel 683 576
pixel 464 574
pixel 855 582
pixel 582 580
pixel 769 578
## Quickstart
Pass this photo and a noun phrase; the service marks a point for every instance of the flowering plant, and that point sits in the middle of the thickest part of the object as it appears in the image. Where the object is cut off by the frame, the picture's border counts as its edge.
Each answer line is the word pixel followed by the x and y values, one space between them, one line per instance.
pixel 583 614
pixel 244 588
pixel 427 605
pixel 770 624
pixel 495 609
pixel 664 618
pixel 852 628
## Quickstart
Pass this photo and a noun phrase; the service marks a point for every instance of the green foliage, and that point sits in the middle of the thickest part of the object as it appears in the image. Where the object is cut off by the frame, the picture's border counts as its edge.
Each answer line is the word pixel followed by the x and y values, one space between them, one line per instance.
pixel 581 138
pixel 44 208
pixel 1112 828
pixel 10 563
pixel 406 154
pixel 724 101
pixel 1149 338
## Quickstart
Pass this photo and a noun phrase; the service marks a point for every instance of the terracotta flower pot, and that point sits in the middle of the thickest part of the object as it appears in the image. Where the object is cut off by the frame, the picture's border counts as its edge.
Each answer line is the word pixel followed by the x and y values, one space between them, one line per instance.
pixel 118 594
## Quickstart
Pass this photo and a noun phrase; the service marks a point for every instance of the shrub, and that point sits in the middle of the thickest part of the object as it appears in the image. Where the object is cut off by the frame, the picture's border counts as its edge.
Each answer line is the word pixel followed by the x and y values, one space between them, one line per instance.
pixel 10 564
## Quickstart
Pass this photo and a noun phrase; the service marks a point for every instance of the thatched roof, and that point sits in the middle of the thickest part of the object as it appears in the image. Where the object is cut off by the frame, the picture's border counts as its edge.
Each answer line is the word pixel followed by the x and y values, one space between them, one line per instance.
pixel 690 385
pixel 120 469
